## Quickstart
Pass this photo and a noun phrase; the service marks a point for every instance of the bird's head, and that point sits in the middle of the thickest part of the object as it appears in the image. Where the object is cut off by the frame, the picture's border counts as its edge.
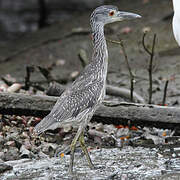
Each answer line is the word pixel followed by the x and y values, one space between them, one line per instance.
pixel 108 14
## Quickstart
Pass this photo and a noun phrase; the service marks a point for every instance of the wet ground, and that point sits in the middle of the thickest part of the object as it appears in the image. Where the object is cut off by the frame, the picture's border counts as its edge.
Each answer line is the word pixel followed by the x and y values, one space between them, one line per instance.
pixel 52 45
pixel 136 157
pixel 127 163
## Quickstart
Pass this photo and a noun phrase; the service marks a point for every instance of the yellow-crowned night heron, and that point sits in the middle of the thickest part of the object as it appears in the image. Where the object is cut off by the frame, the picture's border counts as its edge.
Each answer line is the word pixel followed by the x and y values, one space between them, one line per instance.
pixel 176 20
pixel 79 101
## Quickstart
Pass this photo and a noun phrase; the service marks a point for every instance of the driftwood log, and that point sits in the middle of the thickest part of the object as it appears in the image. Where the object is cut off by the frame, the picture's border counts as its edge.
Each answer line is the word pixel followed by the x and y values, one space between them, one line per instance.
pixel 108 112
pixel 56 89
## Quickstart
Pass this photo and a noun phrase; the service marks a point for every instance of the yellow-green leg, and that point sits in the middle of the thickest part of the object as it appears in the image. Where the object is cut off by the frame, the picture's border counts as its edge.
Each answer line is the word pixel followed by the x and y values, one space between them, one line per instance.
pixel 82 143
pixel 73 146
pixel 79 136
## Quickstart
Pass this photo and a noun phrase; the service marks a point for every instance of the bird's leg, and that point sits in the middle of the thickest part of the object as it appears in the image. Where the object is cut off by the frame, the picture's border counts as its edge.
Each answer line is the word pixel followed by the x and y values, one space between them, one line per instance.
pixel 82 143
pixel 73 145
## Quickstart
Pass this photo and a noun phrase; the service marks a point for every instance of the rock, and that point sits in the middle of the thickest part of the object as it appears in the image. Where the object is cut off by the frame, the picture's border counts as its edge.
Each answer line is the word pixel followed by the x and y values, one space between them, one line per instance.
pixel 42 155
pixel 122 132
pixel 156 139
pixel 27 144
pixel 99 127
pixel 110 129
pixel 12 134
pixel 1 139
pixel 104 139
pixel 1 155
pixel 60 62
pixel 10 143
pixel 14 88
pixel 24 135
pixel 67 128
pixel 3 87
pixel 25 153
pixel 11 154
pixel 4 167
pixel 6 128
pixel 49 138
pixel 74 74
pixel 49 148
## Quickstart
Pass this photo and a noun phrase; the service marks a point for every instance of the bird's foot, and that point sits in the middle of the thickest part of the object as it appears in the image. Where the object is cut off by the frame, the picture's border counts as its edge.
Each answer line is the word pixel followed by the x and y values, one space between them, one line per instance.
pixel 92 166
pixel 70 171
pixel 96 167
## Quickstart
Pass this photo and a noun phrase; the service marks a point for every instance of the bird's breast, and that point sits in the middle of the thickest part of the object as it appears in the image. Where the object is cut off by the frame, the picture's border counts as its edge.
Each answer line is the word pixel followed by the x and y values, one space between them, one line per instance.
pixel 176 28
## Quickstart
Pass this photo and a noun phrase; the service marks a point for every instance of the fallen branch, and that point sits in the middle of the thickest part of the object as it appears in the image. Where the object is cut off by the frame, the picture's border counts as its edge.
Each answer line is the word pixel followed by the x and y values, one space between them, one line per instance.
pixel 29 70
pixel 57 89
pixel 124 93
pixel 114 113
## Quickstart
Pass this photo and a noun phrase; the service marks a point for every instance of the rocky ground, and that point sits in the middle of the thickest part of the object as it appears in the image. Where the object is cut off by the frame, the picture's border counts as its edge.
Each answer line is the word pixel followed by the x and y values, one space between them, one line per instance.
pixel 142 152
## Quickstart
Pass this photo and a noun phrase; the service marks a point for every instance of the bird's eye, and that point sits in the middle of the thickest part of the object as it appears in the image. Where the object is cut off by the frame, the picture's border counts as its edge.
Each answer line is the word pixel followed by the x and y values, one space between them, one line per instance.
pixel 111 13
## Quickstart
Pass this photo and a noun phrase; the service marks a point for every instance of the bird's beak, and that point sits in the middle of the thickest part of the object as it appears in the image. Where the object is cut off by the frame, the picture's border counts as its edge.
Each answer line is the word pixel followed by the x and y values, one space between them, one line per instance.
pixel 126 15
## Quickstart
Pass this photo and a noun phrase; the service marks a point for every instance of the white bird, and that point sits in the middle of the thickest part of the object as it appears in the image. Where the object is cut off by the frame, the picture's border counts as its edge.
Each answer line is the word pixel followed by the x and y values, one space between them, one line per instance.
pixel 176 20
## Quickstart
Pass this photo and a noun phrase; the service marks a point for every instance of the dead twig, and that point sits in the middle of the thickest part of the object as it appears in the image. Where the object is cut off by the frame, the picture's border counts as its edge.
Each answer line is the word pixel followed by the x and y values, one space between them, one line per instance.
pixel 130 72
pixel 165 92
pixel 151 53
pixel 128 66
pixel 9 83
pixel 46 73
pixel 28 83
pixel 29 70
pixel 171 78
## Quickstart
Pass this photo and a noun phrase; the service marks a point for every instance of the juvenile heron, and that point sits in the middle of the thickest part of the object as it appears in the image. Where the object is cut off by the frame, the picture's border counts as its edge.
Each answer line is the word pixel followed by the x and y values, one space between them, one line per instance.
pixel 79 101
pixel 176 20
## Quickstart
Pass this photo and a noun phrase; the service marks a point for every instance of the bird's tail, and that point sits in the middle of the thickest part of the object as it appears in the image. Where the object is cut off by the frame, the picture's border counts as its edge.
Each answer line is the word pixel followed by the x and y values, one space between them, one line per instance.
pixel 47 123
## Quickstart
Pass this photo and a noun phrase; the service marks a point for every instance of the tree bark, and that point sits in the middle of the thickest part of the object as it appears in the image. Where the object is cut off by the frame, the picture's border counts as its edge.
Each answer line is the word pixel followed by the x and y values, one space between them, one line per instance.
pixel 108 112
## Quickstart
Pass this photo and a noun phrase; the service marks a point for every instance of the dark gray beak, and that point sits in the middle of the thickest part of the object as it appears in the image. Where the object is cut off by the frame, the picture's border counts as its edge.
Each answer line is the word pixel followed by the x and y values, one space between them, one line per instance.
pixel 126 15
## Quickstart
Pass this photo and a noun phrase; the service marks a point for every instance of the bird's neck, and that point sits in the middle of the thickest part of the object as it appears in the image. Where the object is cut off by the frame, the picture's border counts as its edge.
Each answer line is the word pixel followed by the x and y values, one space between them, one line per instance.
pixel 100 54
pixel 99 41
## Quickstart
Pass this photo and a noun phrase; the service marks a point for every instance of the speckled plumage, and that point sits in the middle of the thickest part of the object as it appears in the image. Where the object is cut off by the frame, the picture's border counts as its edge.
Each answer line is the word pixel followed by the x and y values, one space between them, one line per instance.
pixel 86 92
pixel 79 101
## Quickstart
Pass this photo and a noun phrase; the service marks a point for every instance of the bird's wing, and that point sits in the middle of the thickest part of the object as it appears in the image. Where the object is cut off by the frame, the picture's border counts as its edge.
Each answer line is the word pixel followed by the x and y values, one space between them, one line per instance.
pixel 70 104
pixel 86 78
pixel 77 101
